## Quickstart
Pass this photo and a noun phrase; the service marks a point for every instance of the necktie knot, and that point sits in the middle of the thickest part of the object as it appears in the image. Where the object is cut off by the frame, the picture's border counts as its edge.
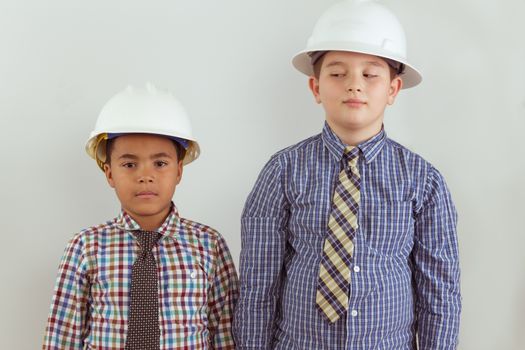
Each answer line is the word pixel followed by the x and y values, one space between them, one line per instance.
pixel 147 240
pixel 351 155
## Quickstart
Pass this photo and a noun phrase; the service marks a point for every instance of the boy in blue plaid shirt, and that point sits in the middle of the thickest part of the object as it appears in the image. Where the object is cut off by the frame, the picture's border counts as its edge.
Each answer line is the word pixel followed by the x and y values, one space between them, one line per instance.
pixel 348 238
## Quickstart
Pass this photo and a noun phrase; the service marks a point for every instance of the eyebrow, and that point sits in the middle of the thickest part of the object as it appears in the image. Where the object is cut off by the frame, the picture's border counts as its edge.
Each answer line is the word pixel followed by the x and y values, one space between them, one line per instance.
pixel 335 63
pixel 160 155
pixel 128 156
pixel 339 63
pixel 375 63
pixel 153 156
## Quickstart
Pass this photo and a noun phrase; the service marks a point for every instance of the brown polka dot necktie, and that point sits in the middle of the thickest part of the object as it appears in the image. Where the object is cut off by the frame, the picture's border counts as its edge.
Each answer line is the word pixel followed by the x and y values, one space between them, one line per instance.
pixel 143 322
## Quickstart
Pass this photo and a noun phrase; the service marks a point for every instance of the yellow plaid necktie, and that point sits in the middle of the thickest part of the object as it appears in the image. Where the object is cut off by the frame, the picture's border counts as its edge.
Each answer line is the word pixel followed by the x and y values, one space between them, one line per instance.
pixel 334 273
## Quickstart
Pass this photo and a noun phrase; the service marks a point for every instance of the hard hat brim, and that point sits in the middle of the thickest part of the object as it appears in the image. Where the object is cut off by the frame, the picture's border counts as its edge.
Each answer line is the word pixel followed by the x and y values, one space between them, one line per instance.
pixel 95 148
pixel 302 61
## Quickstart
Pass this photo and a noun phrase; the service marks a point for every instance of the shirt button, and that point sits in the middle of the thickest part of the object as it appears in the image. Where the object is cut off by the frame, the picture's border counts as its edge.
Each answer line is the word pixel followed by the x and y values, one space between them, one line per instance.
pixel 193 274
pixel 354 313
pixel 357 268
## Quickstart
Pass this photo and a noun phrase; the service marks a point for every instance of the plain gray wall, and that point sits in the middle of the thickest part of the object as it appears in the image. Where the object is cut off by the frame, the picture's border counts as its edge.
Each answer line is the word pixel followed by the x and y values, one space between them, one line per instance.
pixel 228 62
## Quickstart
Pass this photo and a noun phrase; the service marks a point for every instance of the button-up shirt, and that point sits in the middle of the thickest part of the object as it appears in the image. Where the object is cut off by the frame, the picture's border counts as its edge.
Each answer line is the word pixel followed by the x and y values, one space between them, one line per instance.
pixel 405 270
pixel 197 287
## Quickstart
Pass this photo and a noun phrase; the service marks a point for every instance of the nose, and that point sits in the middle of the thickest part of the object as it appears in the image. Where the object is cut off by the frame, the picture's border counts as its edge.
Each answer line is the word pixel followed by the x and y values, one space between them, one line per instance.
pixel 353 84
pixel 145 179
pixel 146 176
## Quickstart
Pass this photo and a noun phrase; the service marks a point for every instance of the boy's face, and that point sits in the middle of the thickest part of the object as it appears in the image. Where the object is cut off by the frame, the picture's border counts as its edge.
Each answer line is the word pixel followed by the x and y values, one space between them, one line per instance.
pixel 354 90
pixel 144 171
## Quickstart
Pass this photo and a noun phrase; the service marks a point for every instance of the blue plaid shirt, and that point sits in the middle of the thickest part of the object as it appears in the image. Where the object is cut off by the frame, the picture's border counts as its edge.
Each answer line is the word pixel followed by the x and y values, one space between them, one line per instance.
pixel 405 270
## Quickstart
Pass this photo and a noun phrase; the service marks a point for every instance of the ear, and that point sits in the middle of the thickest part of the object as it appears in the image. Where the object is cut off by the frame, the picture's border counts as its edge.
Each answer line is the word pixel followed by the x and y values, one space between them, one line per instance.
pixel 109 175
pixel 395 85
pixel 179 173
pixel 313 84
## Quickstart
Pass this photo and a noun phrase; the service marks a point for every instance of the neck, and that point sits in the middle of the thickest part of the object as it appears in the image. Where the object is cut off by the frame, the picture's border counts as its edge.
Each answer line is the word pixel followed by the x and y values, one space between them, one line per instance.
pixel 354 137
pixel 150 222
pixel 147 225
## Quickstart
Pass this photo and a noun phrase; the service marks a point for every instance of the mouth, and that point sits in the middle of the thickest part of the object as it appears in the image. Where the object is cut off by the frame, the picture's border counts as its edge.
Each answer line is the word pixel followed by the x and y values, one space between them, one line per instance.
pixel 146 194
pixel 354 103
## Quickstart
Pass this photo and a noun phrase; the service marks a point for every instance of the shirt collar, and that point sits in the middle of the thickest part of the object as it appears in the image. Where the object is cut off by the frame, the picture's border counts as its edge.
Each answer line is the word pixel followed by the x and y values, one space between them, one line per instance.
pixel 169 228
pixel 369 148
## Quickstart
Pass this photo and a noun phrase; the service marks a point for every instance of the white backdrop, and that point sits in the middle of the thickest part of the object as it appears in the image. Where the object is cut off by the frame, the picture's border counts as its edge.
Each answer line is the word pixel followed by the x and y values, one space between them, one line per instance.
pixel 229 64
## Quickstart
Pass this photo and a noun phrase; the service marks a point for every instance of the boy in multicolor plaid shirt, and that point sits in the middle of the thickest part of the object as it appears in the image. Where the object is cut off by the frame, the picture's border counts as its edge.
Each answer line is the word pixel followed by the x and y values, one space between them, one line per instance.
pixel 348 238
pixel 141 141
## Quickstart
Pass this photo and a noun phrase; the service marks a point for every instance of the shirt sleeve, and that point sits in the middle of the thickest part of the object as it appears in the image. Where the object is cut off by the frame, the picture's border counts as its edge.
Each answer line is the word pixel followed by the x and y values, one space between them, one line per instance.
pixel 436 268
pixel 263 227
pixel 222 297
pixel 68 323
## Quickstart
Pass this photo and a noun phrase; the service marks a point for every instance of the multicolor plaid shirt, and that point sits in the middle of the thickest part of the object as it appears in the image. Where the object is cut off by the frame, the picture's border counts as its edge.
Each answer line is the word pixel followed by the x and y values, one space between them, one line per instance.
pixel 197 287
pixel 405 270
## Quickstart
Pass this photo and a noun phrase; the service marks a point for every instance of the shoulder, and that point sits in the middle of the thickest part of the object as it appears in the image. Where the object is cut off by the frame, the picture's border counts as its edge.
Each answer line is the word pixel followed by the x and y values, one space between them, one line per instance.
pixel 280 162
pixel 426 179
pixel 300 148
pixel 204 236
pixel 415 163
pixel 298 153
pixel 88 239
pixel 207 245
pixel 97 230
pixel 82 248
pixel 407 154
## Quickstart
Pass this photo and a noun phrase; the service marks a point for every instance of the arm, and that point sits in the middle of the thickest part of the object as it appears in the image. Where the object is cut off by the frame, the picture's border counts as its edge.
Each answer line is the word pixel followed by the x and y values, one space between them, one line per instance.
pixel 436 268
pixel 222 297
pixel 68 323
pixel 263 244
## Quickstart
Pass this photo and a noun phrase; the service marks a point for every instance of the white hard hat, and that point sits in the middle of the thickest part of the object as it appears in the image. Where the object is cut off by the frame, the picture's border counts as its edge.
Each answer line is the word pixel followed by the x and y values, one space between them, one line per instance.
pixel 362 26
pixel 142 110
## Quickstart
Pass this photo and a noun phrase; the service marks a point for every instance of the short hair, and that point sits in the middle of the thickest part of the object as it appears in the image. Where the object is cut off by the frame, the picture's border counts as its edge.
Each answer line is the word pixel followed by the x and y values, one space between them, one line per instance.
pixel 179 149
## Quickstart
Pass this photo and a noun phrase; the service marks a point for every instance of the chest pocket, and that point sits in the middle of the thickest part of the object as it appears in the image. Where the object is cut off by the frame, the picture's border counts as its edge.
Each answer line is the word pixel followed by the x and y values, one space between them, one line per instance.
pixel 387 226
